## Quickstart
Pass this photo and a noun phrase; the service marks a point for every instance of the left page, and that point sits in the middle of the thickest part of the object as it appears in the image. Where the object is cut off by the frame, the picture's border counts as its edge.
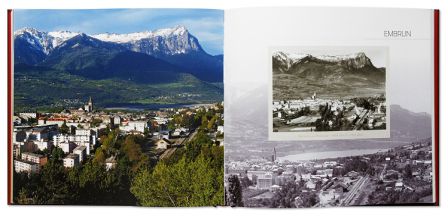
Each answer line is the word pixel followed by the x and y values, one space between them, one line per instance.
pixel 116 107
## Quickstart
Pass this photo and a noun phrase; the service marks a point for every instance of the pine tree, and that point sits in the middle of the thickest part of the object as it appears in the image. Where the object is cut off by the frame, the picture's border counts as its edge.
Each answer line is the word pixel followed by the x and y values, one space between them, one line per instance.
pixel 234 195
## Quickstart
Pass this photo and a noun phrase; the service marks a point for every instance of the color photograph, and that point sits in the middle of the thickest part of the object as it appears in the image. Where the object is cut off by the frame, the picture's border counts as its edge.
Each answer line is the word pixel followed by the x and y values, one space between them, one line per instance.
pixel 118 107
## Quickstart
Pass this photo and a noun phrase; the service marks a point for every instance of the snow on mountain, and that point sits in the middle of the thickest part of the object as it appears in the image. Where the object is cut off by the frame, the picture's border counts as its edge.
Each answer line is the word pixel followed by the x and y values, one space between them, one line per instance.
pixel 356 60
pixel 45 41
pixel 60 37
pixel 289 56
pixel 131 37
pixel 338 58
pixel 162 42
pixel 167 41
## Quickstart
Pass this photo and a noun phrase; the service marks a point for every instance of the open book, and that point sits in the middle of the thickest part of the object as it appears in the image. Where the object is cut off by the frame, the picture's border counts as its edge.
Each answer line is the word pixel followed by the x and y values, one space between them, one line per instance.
pixel 250 107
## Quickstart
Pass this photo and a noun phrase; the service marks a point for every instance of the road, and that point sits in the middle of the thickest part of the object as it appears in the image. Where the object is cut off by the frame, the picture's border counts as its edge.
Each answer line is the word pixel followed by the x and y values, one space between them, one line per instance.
pixel 190 137
pixel 167 153
pixel 356 189
pixel 361 120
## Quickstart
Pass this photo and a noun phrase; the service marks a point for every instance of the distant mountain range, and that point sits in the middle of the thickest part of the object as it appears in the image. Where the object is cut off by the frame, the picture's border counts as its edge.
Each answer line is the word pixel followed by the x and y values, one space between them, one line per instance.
pixel 169 50
pixel 298 76
pixel 162 66
pixel 246 135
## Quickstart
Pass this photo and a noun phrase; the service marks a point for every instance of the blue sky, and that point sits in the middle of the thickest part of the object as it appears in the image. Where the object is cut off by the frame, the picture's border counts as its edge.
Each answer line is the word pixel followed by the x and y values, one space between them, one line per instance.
pixel 206 25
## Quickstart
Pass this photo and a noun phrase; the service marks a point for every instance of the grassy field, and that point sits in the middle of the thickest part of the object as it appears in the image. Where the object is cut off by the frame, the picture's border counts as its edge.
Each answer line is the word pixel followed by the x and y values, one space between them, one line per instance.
pixel 47 89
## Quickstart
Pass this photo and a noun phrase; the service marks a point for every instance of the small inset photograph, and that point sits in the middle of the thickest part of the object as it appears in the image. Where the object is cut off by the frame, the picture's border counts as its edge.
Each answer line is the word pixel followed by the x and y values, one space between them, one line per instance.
pixel 329 92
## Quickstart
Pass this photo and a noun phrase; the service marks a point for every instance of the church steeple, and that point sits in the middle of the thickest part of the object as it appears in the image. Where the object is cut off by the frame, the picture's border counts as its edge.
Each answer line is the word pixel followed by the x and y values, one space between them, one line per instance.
pixel 89 106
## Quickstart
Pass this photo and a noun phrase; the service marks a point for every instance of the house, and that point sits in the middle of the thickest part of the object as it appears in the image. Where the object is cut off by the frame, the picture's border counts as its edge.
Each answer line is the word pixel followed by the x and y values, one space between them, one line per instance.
pixel 399 185
pixel 330 163
pixel 28 115
pixel 28 146
pixel 137 126
pixel 71 160
pixel 310 185
pixel 83 140
pixel 41 121
pixel 67 146
pixel 117 120
pixel 275 188
pixel 19 136
pixel 264 181
pixel 324 173
pixel 77 112
pixel 43 144
pixel 38 133
pixel 16 150
pixel 163 143
pixel 83 132
pixel 81 152
pixel 35 158
pixel 26 166
pixel 58 121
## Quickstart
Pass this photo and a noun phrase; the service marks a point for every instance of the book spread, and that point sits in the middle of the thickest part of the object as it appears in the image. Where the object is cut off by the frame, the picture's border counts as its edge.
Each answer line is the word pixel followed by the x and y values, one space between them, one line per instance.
pixel 251 107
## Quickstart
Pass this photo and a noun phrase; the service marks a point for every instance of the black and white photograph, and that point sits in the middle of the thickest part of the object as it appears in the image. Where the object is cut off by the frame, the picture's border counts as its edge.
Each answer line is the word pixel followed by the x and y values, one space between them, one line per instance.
pixel 389 160
pixel 329 89
pixel 261 173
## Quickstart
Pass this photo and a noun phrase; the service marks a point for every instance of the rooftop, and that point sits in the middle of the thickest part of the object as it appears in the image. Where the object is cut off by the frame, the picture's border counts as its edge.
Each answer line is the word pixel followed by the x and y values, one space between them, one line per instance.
pixel 32 154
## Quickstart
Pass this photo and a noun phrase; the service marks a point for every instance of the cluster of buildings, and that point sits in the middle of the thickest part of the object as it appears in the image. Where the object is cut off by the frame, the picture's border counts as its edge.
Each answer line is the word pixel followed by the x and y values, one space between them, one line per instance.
pixel 77 141
pixel 412 161
pixel 287 113
pixel 76 132
pixel 330 180
pixel 29 162
pixel 269 175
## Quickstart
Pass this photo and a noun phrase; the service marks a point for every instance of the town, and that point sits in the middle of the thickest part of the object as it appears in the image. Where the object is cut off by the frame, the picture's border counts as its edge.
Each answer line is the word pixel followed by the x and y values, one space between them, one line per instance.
pixel 134 140
pixel 395 176
pixel 317 114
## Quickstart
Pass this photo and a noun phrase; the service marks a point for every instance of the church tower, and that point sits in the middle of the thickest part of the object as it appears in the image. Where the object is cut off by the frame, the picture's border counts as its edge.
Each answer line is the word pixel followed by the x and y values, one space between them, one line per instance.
pixel 89 106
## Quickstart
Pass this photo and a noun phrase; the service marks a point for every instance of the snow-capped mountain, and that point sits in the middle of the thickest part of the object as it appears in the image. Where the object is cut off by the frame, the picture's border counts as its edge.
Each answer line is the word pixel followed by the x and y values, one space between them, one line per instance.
pixel 169 41
pixel 355 60
pixel 298 75
pixel 44 41
pixel 172 45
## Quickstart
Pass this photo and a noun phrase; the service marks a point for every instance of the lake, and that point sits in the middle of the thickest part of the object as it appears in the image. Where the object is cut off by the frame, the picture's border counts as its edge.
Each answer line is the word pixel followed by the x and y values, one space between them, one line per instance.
pixel 142 107
pixel 328 154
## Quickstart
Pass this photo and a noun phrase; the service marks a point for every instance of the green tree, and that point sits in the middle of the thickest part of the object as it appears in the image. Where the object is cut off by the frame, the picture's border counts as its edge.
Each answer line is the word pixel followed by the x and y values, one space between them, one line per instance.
pixel 291 194
pixel 408 171
pixel 64 128
pixel 133 152
pixel 164 186
pixel 194 147
pixel 234 196
pixel 57 154
pixel 184 183
pixel 54 188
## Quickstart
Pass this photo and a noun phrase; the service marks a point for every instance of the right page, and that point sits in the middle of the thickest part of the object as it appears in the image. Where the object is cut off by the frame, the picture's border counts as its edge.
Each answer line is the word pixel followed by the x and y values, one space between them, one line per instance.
pixel 330 107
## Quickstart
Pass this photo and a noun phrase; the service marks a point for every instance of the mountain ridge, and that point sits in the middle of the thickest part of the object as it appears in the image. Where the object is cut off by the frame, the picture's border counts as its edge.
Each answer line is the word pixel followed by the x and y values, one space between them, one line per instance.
pixel 175 46
pixel 298 76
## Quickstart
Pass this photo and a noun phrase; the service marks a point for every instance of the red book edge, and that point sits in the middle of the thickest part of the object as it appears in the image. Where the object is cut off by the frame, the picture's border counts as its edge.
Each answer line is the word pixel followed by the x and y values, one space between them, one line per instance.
pixel 436 104
pixel 9 65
